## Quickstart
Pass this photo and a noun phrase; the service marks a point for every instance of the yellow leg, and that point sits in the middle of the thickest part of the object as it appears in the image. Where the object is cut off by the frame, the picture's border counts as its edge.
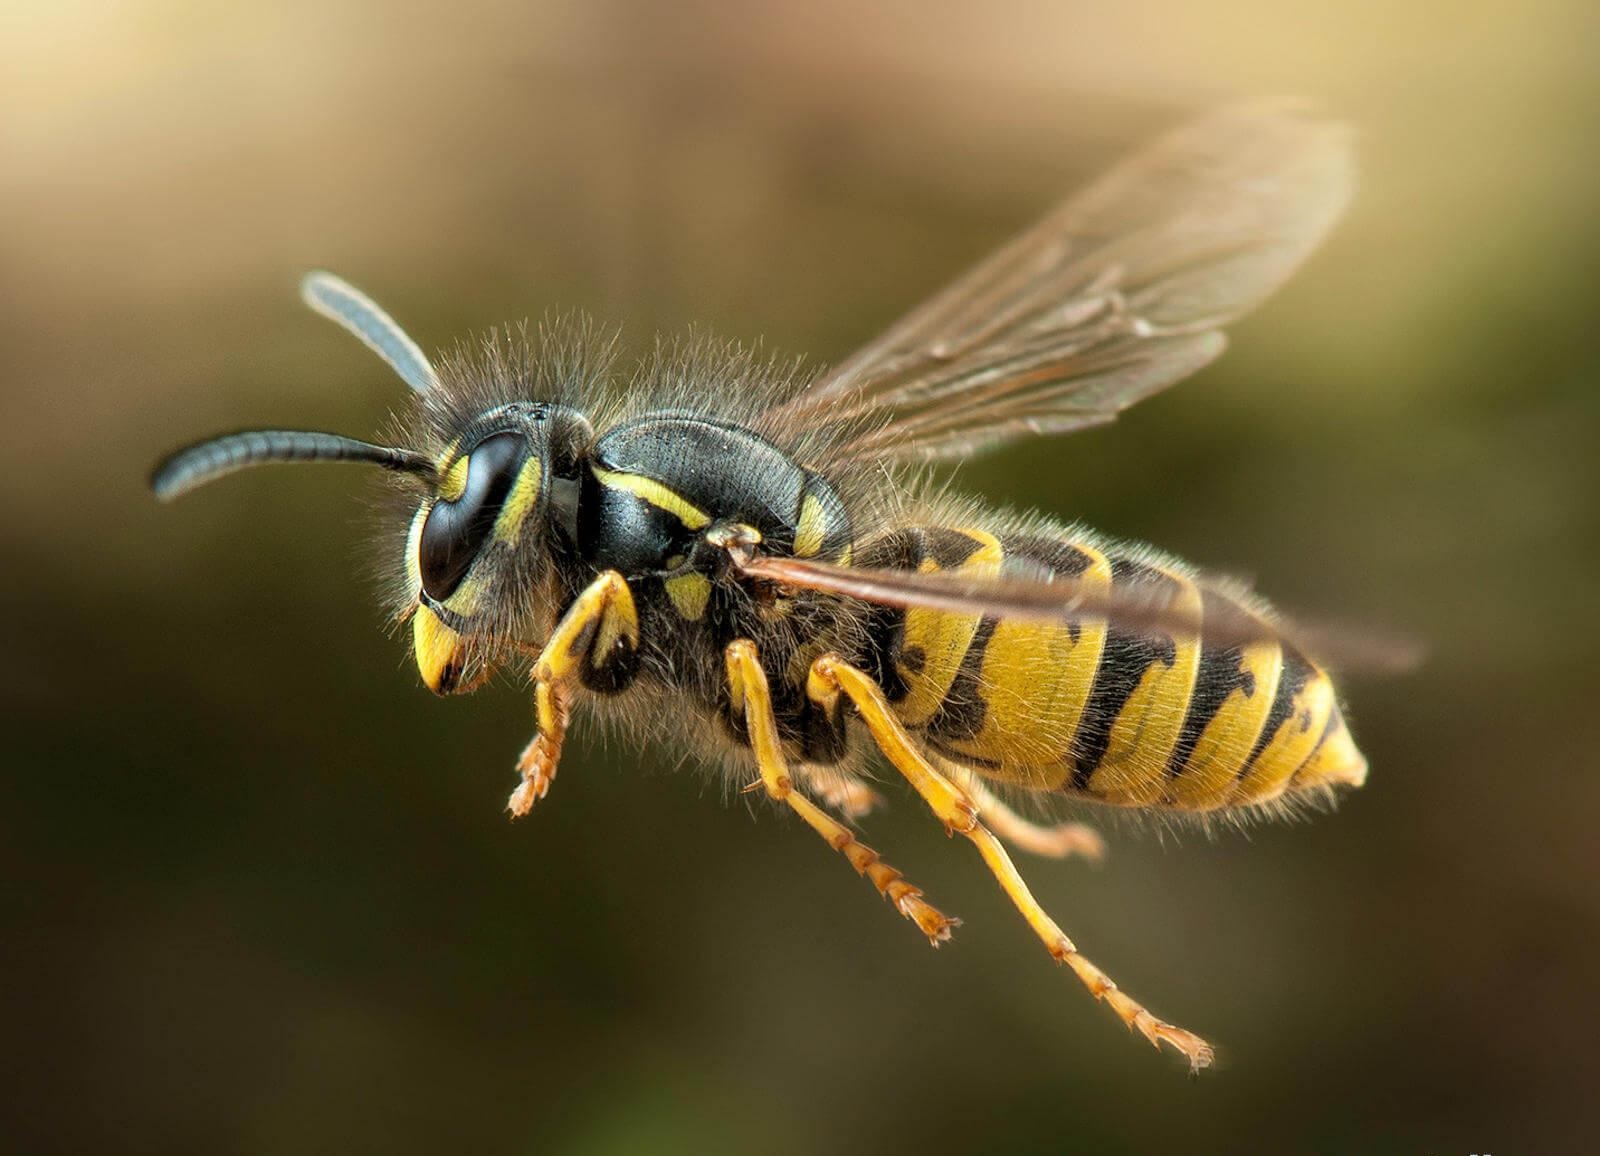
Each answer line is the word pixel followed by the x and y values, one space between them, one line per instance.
pixel 1057 842
pixel 600 621
pixel 747 682
pixel 829 677
pixel 539 760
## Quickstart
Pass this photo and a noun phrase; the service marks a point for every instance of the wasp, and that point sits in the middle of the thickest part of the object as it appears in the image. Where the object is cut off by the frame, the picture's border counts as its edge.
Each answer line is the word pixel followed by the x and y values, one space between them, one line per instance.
pixel 744 557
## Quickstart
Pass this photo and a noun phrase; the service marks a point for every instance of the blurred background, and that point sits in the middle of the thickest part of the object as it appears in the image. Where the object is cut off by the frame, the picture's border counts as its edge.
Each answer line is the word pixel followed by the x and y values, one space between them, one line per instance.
pixel 261 896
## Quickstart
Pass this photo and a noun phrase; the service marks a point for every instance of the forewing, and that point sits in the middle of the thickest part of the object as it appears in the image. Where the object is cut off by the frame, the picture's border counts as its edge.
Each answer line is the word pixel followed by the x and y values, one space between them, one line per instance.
pixel 1119 293
pixel 1147 608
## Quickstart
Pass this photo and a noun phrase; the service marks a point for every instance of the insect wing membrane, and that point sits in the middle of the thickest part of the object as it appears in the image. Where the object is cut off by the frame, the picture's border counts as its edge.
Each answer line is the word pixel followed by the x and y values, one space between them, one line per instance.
pixel 1114 296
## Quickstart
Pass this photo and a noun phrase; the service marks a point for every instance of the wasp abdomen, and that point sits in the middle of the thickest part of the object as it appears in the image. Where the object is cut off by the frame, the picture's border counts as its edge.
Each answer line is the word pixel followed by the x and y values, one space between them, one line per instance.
pixel 1132 719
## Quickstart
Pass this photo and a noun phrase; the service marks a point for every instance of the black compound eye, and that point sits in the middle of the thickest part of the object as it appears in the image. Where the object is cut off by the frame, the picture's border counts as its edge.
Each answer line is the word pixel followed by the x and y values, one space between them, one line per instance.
pixel 455 532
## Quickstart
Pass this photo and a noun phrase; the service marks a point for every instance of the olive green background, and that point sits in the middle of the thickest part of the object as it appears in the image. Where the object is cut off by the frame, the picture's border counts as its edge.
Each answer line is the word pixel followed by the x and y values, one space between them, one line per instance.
pixel 260 895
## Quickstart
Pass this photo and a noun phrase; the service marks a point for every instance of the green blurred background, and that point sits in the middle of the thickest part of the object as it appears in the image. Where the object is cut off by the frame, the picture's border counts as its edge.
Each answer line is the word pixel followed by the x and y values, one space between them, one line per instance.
pixel 260 893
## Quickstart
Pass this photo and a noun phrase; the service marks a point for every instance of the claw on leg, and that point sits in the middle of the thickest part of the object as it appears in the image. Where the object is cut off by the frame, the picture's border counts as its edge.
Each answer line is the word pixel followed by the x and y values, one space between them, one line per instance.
pixel 893 886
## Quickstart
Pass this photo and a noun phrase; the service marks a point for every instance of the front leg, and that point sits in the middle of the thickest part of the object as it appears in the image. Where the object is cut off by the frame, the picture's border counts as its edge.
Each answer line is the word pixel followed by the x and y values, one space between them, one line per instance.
pixel 596 644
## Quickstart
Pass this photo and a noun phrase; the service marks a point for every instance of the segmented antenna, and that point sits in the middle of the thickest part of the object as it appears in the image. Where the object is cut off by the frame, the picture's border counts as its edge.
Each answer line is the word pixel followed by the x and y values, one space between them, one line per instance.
pixel 338 300
pixel 194 466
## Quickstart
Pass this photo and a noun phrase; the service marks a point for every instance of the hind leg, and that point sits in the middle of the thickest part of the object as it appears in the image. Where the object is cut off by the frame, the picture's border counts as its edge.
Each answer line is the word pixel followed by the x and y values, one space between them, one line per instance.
pixel 832 676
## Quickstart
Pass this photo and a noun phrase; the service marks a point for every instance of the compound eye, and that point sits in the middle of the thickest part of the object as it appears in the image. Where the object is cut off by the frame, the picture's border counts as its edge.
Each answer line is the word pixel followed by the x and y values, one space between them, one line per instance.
pixel 455 532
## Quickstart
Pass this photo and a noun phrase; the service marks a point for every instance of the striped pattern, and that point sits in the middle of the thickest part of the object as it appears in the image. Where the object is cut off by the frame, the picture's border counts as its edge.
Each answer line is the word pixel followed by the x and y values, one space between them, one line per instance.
pixel 1084 708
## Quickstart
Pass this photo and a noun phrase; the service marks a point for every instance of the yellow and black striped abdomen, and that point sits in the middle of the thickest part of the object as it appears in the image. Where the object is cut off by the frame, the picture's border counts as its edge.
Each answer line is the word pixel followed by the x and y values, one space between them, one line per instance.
pixel 1094 711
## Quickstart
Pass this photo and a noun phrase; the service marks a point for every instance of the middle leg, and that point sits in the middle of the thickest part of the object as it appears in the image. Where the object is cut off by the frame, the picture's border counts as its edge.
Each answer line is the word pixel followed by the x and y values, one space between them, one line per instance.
pixel 747 683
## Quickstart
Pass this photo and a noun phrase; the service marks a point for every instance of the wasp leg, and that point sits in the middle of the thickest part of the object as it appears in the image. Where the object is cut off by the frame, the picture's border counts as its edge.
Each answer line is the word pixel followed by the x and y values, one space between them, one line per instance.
pixel 593 643
pixel 747 683
pixel 539 759
pixel 843 792
pixel 1057 842
pixel 831 676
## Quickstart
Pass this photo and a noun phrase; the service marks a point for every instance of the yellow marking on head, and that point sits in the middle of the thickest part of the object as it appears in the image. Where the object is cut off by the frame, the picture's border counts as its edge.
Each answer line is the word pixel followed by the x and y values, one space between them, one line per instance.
pixel 689 594
pixel 438 650
pixel 466 599
pixel 414 550
pixel 808 533
pixel 520 502
pixel 651 491
pixel 453 481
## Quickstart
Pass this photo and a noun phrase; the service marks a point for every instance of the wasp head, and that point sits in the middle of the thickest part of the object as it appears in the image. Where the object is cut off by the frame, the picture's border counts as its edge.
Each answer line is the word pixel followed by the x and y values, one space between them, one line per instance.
pixel 504 497
pixel 497 500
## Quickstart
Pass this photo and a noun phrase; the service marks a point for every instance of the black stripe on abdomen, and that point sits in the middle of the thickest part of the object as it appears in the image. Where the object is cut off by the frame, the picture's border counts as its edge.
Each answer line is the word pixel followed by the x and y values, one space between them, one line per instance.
pixel 885 625
pixel 1221 673
pixel 1296 673
pixel 1122 667
pixel 961 714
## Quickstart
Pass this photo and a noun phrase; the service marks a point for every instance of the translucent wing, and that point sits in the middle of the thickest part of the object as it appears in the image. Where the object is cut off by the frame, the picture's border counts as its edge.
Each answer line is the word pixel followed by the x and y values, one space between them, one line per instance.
pixel 1117 294
pixel 1147 609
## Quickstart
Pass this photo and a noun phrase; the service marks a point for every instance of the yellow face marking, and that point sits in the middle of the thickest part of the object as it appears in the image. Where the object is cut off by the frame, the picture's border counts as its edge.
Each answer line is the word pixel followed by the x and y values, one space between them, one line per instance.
pixel 941 638
pixel 808 534
pixel 521 501
pixel 1133 770
pixel 466 599
pixel 438 648
pixel 651 491
pixel 453 481
pixel 414 550
pixel 689 594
